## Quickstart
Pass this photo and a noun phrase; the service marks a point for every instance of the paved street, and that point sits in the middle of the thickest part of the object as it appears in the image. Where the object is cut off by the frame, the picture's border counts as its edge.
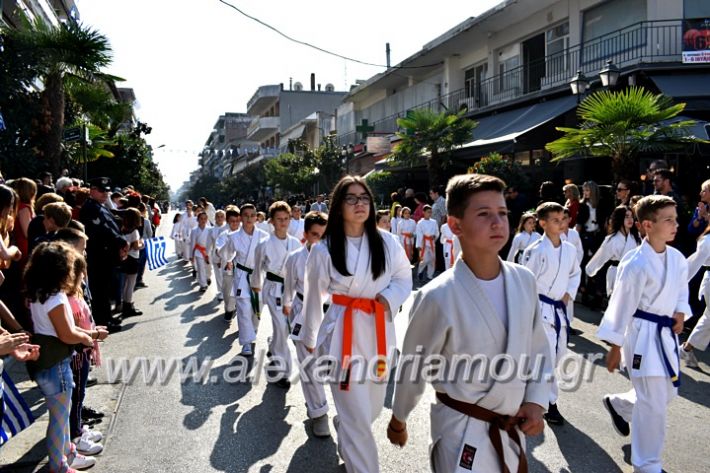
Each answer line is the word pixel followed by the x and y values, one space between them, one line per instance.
pixel 257 427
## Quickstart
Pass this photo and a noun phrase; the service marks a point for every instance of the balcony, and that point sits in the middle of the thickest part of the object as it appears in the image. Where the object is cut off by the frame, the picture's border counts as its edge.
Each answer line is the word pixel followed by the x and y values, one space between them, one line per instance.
pixel 264 97
pixel 262 128
pixel 253 155
pixel 647 42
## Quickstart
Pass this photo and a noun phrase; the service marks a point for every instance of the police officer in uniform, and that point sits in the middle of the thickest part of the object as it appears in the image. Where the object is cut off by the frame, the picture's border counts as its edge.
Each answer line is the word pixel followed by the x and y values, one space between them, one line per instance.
pixel 105 249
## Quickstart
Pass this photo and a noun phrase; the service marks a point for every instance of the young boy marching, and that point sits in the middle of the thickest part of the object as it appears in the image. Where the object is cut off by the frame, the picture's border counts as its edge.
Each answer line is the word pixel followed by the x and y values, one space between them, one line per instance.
pixel 243 245
pixel 269 260
pixel 556 269
pixel 226 253
pixel 199 255
pixel 483 307
pixel 406 227
pixel 220 226
pixel 295 268
pixel 427 233
pixel 451 245
pixel 646 311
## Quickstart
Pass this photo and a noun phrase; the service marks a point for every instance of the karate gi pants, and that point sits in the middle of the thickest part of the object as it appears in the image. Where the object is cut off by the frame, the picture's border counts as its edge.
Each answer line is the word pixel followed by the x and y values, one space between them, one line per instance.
pixel 247 320
pixel 700 337
pixel 646 407
pixel 555 354
pixel 218 278
pixel 204 270
pixel 357 409
pixel 186 249
pixel 313 391
pixel 230 303
pixel 280 329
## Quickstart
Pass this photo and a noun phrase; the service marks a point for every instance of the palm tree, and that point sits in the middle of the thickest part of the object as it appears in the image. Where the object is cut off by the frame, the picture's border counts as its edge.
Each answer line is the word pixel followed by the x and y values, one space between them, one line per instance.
pixel 434 135
pixel 67 50
pixel 622 124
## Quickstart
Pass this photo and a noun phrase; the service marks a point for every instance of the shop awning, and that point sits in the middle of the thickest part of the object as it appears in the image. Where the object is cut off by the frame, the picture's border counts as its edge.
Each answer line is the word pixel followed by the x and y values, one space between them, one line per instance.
pixel 686 85
pixel 699 130
pixel 507 126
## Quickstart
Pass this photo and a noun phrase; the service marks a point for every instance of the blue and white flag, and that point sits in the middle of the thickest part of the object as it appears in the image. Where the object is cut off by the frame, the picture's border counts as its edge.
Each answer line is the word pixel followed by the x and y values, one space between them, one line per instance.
pixel 2 122
pixel 155 253
pixel 16 415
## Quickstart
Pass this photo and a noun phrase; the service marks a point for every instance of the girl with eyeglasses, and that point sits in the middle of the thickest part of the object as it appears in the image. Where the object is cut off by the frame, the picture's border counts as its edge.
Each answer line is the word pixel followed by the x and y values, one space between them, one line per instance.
pixel 368 275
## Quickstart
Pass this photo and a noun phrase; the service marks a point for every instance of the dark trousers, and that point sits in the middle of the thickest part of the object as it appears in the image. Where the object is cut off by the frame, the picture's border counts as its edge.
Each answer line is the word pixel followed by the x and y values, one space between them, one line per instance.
pixel 142 259
pixel 81 376
pixel 101 285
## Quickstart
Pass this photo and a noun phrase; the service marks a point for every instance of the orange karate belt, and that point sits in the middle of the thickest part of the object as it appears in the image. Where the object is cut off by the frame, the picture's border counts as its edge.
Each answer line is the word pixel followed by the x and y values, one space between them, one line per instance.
pixel 371 307
pixel 451 250
pixel 407 244
pixel 428 239
pixel 202 250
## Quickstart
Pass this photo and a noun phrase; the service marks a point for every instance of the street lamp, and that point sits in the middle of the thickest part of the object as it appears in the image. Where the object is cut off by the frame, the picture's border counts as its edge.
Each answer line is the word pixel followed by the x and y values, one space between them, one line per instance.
pixel 609 75
pixel 579 84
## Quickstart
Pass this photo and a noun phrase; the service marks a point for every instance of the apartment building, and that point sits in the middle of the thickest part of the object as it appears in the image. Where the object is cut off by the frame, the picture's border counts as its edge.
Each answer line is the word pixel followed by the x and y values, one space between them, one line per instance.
pixel 50 12
pixel 225 144
pixel 510 69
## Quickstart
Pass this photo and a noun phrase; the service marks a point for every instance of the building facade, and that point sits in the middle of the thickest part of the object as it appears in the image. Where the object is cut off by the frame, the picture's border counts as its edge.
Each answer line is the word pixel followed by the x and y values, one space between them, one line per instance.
pixel 50 12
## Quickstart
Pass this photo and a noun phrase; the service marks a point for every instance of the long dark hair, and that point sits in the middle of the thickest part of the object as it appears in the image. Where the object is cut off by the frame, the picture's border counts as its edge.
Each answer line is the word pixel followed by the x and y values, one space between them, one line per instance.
pixel 335 231
pixel 616 222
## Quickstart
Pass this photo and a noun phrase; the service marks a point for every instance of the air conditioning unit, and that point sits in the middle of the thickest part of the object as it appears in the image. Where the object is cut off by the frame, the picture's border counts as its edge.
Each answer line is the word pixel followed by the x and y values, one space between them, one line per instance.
pixel 298 87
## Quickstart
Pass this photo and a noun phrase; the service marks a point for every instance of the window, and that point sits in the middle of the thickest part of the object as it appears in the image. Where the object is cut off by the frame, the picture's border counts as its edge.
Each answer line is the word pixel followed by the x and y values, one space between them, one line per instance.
pixel 615 16
pixel 522 158
pixel 538 156
pixel 696 9
pixel 557 44
pixel 473 80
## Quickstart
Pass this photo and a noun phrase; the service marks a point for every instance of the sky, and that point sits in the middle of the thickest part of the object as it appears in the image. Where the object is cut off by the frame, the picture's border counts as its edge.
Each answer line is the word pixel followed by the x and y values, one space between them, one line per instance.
pixel 191 61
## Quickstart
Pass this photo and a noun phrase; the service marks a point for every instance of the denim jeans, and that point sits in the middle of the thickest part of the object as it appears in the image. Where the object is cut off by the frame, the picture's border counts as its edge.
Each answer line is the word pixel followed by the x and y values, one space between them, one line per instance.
pixel 57 379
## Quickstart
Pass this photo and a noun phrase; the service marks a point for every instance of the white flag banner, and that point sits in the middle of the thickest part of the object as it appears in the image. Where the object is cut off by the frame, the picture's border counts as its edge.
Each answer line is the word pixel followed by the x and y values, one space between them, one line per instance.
pixel 16 415
pixel 155 252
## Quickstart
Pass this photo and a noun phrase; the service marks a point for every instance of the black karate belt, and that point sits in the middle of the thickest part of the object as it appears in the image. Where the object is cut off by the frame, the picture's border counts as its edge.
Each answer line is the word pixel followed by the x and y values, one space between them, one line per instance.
pixel 706 268
pixel 273 277
pixel 613 263
pixel 253 296
pixel 300 296
pixel 557 306
pixel 497 423
pixel 663 321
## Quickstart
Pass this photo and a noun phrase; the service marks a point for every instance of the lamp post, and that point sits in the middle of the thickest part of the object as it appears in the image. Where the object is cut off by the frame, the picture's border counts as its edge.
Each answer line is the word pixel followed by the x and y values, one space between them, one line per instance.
pixel 347 154
pixel 579 84
pixel 609 74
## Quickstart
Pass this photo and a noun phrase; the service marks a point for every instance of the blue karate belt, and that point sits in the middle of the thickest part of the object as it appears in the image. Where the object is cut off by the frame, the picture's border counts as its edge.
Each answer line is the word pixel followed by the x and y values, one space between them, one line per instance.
pixel 663 321
pixel 557 306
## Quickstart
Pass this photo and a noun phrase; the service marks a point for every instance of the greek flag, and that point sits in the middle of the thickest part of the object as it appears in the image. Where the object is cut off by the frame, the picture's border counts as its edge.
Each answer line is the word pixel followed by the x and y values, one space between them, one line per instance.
pixel 16 415
pixel 2 120
pixel 155 252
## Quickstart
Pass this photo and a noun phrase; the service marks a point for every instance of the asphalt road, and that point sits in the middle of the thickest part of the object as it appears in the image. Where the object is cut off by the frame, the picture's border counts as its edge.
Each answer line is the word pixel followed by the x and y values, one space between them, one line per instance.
pixel 257 427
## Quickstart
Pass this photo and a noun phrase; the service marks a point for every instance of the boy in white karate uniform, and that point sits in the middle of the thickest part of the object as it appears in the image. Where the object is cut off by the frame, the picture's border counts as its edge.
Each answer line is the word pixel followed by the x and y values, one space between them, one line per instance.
pixel 295 225
pixel 646 311
pixel 427 233
pixel 483 307
pixel 199 254
pixel 700 336
pixel 295 269
pixel 219 228
pixel 556 268
pixel 187 223
pixel 243 245
pixel 451 245
pixel 406 227
pixel 226 252
pixel 269 260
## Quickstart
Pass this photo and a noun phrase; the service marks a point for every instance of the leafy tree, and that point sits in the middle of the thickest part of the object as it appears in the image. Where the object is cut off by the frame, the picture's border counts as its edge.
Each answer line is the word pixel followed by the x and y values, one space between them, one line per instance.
pixel 291 173
pixel 499 166
pixel 622 124
pixel 433 135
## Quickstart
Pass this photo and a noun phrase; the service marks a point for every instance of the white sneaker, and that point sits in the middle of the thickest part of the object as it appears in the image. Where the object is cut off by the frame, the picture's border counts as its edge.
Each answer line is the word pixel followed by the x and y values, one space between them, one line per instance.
pixel 82 462
pixel 93 435
pixel 691 361
pixel 86 446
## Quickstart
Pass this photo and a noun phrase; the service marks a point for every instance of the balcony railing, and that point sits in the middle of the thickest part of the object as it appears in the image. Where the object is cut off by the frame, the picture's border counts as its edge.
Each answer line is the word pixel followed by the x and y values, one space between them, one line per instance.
pixel 263 127
pixel 643 42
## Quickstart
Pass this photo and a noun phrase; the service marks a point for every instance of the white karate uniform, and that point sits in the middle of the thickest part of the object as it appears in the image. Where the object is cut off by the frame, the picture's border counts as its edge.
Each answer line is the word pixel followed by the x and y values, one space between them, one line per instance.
pixel 557 273
pixel 295 228
pixel 406 229
pixel 700 337
pixel 521 241
pixel 393 224
pixel 295 269
pixel 187 224
pixel 270 257
pixel 613 248
pixel 211 212
pixel 454 316
pixel 655 283
pixel 243 246
pixel 573 237
pixel 176 235
pixel 359 406
pixel 200 236
pixel 451 245
pixel 215 259
pixel 266 226
pixel 429 229
pixel 227 253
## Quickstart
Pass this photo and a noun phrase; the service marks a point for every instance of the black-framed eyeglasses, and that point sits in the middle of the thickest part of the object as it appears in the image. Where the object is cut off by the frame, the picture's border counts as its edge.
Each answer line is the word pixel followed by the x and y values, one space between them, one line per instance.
pixel 351 199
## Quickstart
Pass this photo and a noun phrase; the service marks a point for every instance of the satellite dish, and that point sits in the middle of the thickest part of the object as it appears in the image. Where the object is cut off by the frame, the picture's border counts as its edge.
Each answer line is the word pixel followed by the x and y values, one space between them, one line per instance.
pixel 329 88
pixel 298 86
